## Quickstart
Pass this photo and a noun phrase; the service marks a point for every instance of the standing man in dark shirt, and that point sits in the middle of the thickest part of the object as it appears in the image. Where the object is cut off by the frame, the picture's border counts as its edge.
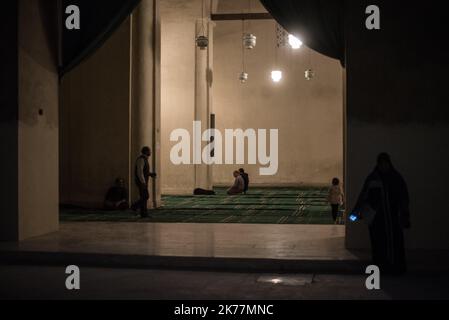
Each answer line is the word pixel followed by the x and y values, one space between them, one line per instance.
pixel 245 177
pixel 142 176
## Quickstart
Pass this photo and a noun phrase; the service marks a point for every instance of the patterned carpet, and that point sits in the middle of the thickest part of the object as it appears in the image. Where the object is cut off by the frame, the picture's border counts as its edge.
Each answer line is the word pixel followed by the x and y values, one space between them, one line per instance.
pixel 260 205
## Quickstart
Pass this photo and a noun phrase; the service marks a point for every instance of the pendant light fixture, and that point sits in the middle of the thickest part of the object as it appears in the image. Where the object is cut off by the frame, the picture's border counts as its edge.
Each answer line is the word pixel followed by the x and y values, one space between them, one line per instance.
pixel 202 41
pixel 249 42
pixel 276 73
pixel 294 42
pixel 249 39
pixel 309 74
pixel 243 77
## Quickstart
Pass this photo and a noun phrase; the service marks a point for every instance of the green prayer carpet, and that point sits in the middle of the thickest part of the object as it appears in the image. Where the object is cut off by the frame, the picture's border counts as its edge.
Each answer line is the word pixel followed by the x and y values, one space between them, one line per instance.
pixel 258 206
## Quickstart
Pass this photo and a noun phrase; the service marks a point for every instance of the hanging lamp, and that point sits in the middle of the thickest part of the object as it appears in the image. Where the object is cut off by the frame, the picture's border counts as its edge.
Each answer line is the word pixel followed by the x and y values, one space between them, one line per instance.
pixel 309 74
pixel 249 39
pixel 294 42
pixel 243 77
pixel 202 41
pixel 276 73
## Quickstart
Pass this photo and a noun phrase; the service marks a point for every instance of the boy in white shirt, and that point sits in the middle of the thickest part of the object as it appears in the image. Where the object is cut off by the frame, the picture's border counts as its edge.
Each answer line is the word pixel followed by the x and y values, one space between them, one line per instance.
pixel 335 198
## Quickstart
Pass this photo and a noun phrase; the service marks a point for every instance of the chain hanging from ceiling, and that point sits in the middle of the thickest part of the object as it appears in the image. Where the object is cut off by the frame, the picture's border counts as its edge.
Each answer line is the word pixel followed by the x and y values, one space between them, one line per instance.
pixel 202 41
pixel 281 36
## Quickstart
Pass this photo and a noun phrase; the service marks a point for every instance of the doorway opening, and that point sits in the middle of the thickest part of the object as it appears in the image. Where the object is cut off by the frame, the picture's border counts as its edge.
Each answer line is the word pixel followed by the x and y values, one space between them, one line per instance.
pixel 307 113
pixel 204 85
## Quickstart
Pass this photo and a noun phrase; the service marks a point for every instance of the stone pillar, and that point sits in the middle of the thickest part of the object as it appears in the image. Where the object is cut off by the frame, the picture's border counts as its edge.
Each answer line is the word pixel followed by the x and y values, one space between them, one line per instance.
pixel 29 120
pixel 203 97
pixel 145 92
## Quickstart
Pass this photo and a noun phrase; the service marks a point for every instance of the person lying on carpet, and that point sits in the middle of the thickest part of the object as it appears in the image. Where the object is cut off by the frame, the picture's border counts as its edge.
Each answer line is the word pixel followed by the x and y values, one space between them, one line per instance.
pixel 203 192
pixel 238 186
pixel 117 196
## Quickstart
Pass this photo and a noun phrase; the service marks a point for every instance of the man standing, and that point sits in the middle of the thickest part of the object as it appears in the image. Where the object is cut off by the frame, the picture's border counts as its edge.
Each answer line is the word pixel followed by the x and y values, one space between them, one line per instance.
pixel 142 176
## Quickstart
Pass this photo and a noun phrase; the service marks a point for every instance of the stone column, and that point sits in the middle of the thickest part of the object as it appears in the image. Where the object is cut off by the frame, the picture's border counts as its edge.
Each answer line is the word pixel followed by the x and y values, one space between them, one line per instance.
pixel 29 120
pixel 145 92
pixel 203 97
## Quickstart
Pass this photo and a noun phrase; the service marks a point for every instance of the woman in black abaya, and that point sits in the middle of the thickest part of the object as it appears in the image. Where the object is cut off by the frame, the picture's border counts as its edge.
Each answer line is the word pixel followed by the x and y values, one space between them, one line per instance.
pixel 385 200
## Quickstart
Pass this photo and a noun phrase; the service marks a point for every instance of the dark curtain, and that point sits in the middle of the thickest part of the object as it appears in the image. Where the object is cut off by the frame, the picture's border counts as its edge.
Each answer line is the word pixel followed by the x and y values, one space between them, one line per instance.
pixel 99 19
pixel 318 23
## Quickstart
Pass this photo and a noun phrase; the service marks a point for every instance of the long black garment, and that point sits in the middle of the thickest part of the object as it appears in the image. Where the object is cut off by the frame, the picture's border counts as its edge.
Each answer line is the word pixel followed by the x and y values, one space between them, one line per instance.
pixel 387 194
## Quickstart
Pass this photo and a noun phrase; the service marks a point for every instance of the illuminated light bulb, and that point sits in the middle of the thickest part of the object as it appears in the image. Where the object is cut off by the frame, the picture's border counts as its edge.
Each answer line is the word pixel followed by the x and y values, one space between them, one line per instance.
pixel 294 42
pixel 276 75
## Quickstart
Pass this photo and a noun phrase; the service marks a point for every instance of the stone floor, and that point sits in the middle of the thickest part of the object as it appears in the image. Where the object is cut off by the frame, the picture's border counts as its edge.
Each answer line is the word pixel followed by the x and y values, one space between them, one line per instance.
pixel 288 242
pixel 219 247
pixel 48 282
pixel 215 245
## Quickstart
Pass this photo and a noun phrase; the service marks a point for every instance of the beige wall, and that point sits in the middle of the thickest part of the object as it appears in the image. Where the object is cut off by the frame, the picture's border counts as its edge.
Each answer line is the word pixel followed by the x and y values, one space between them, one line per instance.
pixel 95 122
pixel 38 134
pixel 308 114
pixel 110 110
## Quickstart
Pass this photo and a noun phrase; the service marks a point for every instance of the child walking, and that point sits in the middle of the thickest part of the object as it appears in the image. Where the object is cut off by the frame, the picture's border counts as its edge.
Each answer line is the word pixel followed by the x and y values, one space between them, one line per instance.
pixel 335 198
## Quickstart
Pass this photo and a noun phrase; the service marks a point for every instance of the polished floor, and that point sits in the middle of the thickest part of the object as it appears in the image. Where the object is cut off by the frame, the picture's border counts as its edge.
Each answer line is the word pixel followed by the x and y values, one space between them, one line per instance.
pixel 315 242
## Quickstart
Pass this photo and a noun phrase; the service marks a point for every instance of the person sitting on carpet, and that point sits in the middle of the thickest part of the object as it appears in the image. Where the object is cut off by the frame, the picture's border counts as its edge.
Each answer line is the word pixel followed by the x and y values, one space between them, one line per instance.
pixel 238 186
pixel 245 177
pixel 116 197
